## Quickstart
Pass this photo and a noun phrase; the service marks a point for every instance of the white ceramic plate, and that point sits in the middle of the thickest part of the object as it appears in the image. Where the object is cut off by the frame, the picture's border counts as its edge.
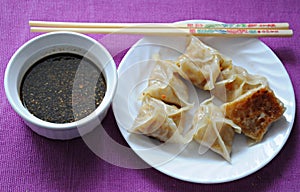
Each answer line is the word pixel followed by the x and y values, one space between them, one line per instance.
pixel 184 162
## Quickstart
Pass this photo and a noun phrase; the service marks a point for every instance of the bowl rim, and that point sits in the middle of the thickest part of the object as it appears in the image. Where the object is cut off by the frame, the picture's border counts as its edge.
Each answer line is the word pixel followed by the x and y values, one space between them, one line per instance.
pixel 108 97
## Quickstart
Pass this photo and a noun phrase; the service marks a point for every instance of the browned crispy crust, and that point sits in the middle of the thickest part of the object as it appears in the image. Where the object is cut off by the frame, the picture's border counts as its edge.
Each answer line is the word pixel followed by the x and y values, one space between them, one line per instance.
pixel 255 112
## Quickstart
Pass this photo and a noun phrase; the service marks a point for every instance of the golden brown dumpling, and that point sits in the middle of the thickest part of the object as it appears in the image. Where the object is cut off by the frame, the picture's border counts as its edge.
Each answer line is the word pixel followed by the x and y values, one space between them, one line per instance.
pixel 255 111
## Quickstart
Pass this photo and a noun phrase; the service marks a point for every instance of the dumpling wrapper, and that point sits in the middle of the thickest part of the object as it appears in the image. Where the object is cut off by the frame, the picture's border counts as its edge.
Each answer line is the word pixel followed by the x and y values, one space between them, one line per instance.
pixel 235 82
pixel 202 64
pixel 162 121
pixel 214 131
pixel 254 112
pixel 165 83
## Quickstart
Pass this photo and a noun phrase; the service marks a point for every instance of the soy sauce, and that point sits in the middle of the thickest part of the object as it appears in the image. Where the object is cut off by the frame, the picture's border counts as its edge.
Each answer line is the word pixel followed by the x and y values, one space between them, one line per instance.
pixel 62 88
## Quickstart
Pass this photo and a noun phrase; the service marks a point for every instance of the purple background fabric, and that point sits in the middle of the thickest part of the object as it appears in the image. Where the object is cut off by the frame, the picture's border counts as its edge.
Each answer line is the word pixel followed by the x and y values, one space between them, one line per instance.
pixel 29 162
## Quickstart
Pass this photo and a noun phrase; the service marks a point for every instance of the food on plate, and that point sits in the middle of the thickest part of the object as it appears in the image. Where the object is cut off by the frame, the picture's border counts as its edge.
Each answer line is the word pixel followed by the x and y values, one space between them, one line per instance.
pixel 249 102
pixel 255 111
pixel 202 64
pixel 249 106
pixel 214 130
pixel 236 81
pixel 161 121
pixel 166 84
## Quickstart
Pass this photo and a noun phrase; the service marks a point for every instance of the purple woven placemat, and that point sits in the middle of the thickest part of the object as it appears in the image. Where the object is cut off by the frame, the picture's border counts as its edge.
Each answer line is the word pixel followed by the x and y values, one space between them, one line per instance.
pixel 29 162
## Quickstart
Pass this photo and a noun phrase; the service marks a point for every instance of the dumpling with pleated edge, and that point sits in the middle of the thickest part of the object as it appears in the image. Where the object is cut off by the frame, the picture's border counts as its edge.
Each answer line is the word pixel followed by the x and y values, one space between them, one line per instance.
pixel 165 83
pixel 236 81
pixel 162 121
pixel 214 130
pixel 249 102
pixel 202 64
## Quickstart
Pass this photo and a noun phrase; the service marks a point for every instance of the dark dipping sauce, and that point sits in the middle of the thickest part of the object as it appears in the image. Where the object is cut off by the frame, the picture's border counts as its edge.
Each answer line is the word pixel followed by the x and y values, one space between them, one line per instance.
pixel 62 88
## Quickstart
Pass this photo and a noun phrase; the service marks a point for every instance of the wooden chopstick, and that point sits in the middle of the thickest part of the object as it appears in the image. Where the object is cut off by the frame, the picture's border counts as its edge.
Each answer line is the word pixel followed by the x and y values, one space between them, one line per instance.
pixel 197 29
pixel 160 25
pixel 167 31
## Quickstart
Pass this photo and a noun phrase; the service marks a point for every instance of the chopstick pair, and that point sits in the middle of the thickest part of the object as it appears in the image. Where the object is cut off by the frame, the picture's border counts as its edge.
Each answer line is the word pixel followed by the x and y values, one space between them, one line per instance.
pixel 196 29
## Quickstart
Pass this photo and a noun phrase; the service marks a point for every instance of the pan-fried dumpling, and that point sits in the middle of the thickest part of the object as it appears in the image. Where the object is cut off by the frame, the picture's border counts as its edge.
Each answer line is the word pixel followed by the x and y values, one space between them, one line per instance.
pixel 236 81
pixel 161 121
pixel 214 131
pixel 202 64
pixel 166 84
pixel 255 111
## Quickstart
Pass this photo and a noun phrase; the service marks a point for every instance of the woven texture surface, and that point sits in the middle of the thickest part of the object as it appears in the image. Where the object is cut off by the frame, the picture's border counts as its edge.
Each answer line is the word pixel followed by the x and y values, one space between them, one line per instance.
pixel 29 162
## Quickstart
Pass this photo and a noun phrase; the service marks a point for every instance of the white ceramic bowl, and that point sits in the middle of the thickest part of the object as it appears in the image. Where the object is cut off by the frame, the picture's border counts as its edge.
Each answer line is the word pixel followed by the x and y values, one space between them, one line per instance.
pixel 57 42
